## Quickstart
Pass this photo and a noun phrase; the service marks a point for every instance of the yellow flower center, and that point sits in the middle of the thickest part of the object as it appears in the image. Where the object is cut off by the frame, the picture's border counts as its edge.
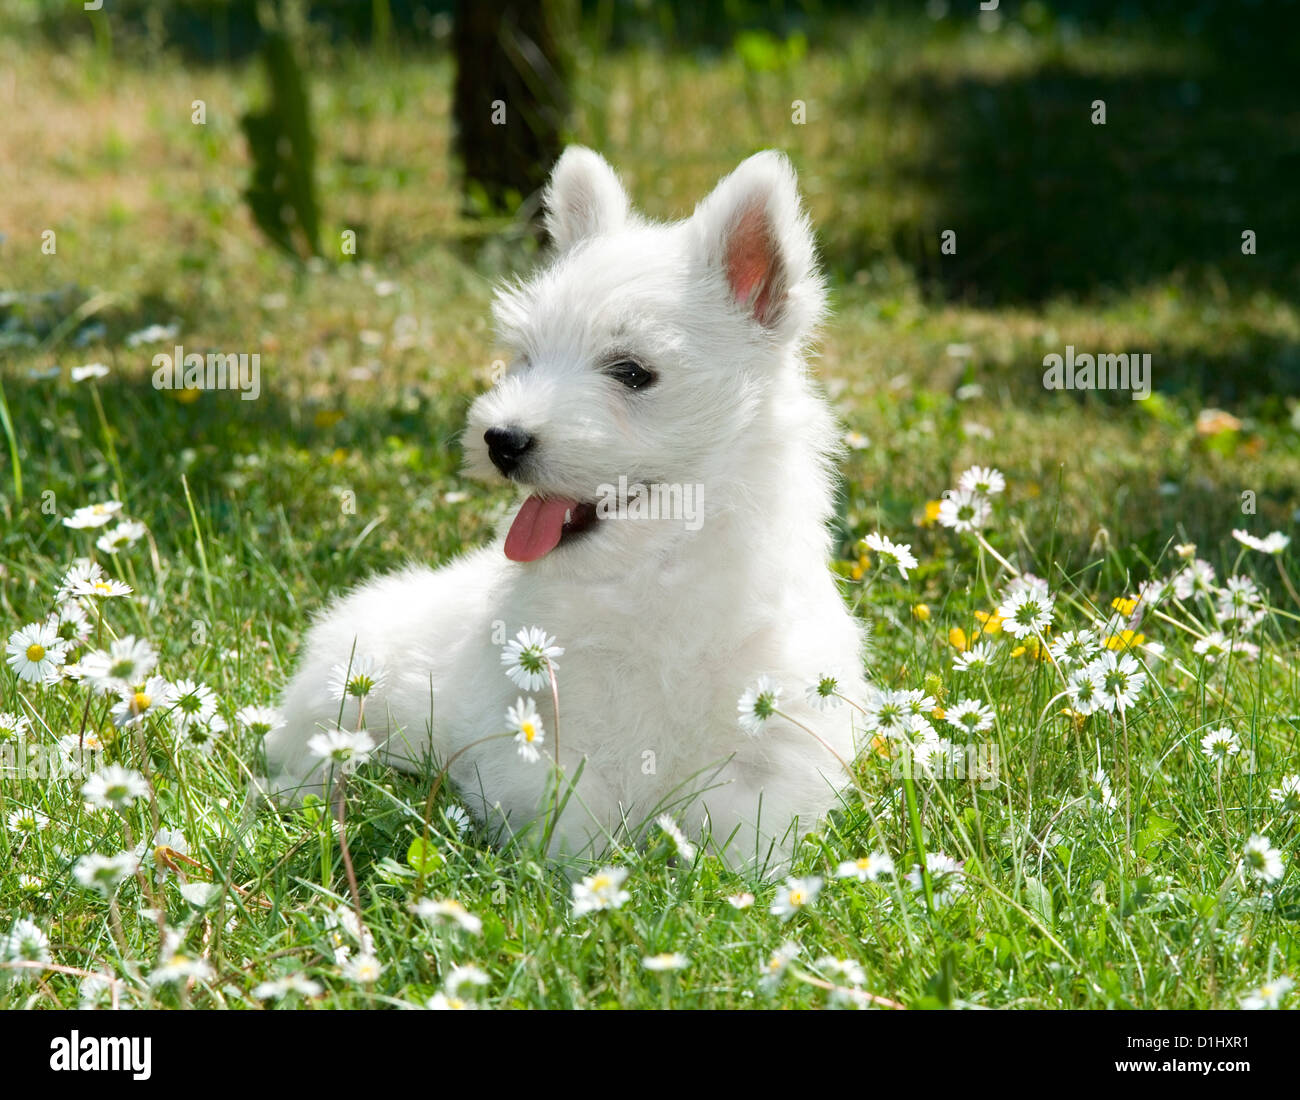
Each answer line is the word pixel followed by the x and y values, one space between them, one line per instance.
pixel 141 701
pixel 796 897
pixel 600 882
pixel 101 586
pixel 863 864
pixel 529 731
pixel 35 652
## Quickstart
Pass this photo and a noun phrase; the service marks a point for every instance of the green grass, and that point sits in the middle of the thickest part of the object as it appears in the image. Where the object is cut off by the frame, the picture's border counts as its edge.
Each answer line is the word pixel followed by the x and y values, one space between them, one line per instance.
pixel 1066 905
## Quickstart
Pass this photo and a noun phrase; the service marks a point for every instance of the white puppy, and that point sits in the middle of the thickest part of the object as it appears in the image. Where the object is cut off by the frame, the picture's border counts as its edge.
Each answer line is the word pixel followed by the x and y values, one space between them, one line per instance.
pixel 671 356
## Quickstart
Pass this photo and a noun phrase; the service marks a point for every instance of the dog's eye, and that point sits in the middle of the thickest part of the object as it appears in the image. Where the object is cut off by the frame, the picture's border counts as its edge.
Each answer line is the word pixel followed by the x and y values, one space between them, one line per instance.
pixel 632 374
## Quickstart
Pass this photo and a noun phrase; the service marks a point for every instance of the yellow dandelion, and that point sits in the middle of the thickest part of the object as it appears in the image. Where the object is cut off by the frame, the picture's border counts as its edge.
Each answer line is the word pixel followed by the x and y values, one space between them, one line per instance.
pixel 957 639
pixel 922 612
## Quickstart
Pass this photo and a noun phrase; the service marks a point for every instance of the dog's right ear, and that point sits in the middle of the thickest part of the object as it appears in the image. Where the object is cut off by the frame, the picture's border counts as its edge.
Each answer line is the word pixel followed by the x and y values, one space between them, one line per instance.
pixel 583 198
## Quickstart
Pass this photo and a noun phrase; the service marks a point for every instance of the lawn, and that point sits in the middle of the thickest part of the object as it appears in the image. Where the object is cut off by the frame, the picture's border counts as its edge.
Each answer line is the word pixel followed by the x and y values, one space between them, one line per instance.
pixel 1108 859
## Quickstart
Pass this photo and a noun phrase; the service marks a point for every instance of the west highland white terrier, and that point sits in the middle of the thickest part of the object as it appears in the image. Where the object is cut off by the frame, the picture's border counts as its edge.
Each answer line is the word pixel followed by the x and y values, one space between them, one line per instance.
pixel 676 468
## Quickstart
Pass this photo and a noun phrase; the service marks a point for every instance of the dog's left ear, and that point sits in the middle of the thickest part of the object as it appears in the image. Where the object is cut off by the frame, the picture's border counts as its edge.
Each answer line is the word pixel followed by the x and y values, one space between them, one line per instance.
pixel 583 198
pixel 752 231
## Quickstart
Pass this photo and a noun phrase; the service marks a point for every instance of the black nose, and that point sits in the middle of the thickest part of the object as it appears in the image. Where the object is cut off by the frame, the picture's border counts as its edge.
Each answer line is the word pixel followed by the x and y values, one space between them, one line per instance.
pixel 506 446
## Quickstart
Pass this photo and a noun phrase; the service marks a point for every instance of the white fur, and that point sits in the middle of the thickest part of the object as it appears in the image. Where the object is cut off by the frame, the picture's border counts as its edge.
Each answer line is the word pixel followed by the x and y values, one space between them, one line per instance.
pixel 663 627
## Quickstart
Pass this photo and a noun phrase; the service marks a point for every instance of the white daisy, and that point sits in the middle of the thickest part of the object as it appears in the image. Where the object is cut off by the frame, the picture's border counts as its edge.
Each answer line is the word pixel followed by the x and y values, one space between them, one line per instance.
pixel 342 749
pixel 139 702
pixel 25 942
pixel 127 662
pixel 896 554
pixel 1218 745
pixel 1100 794
pixel 1122 680
pixel 440 1002
pixel 462 976
pixel 975 659
pixel 797 894
pixel 669 960
pixel 741 901
pixel 279 988
pixel 673 831
pixel 526 724
pixel 970 715
pixel 90 370
pixel 191 703
pixel 201 737
pixel 982 479
pixel 364 969
pixel 947 879
pixel 1195 580
pixel 71 623
pixel 867 868
pixel 127 533
pixel 103 588
pixel 887 712
pixel 1287 795
pixel 773 971
pixel 13 728
pixel 93 515
pixel 458 819
pixel 447 911
pixel 528 656
pixel 823 695
pixel 964 511
pixel 37 653
pixel 105 874
pixel 1262 860
pixel 1269 995
pixel 1213 646
pixel 1074 647
pixel 115 788
pixel 357 679
pixel 1027 611
pixel 1239 599
pixel 28 821
pixel 259 720
pixel 757 705
pixel 603 890
pixel 82 571
pixel 1272 543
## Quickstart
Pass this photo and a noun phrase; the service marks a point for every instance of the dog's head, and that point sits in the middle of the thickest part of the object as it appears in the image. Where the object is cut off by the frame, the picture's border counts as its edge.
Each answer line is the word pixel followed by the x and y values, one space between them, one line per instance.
pixel 644 354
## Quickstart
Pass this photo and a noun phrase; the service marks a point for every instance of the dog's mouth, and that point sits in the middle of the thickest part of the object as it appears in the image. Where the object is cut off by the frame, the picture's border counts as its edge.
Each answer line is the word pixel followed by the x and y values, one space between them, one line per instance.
pixel 544 522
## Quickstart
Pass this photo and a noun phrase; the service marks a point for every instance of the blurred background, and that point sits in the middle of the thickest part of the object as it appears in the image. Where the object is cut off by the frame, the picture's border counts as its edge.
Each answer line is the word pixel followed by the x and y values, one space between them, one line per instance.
pixel 331 184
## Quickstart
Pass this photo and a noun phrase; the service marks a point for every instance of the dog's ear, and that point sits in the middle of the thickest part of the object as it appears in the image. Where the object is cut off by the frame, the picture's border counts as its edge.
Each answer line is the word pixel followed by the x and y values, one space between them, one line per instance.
pixel 583 198
pixel 752 231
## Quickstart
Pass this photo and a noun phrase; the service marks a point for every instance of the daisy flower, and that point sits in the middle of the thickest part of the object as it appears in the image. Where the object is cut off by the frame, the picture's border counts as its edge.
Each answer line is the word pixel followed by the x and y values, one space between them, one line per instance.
pixel 774 970
pixel 448 911
pixel 115 788
pixel 1074 647
pixel 201 736
pixel 36 653
pixel 529 657
pixel 975 659
pixel 440 1002
pixel 139 702
pixel 25 942
pixel 1214 645
pixel 1287 796
pixel 462 976
pixel 93 515
pixel 842 971
pixel 1196 580
pixel 127 533
pixel 970 715
pixel 757 705
pixel 1262 860
pixel 178 967
pixel 279 988
pixel 13 728
pixel 795 895
pixel 1239 599
pixel 896 554
pixel 258 720
pixel 1027 610
pixel 526 723
pixel 127 662
pixel 887 712
pixel 964 511
pixel 105 874
pixel 90 370
pixel 342 749
pixel 867 868
pixel 105 588
pixel 823 694
pixel 741 901
pixel 1100 794
pixel 982 479
pixel 82 571
pixel 1273 543
pixel 190 703
pixel 1218 745
pixel 71 623
pixel 673 831
pixel 1269 995
pixel 1122 680
pixel 458 819
pixel 669 960
pixel 152 334
pixel 27 821
pixel 946 878
pixel 361 677
pixel 603 890
pixel 364 969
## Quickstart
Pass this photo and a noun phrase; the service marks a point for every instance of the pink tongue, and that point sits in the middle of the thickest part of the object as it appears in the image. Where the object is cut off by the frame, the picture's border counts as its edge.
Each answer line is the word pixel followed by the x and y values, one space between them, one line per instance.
pixel 537 528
